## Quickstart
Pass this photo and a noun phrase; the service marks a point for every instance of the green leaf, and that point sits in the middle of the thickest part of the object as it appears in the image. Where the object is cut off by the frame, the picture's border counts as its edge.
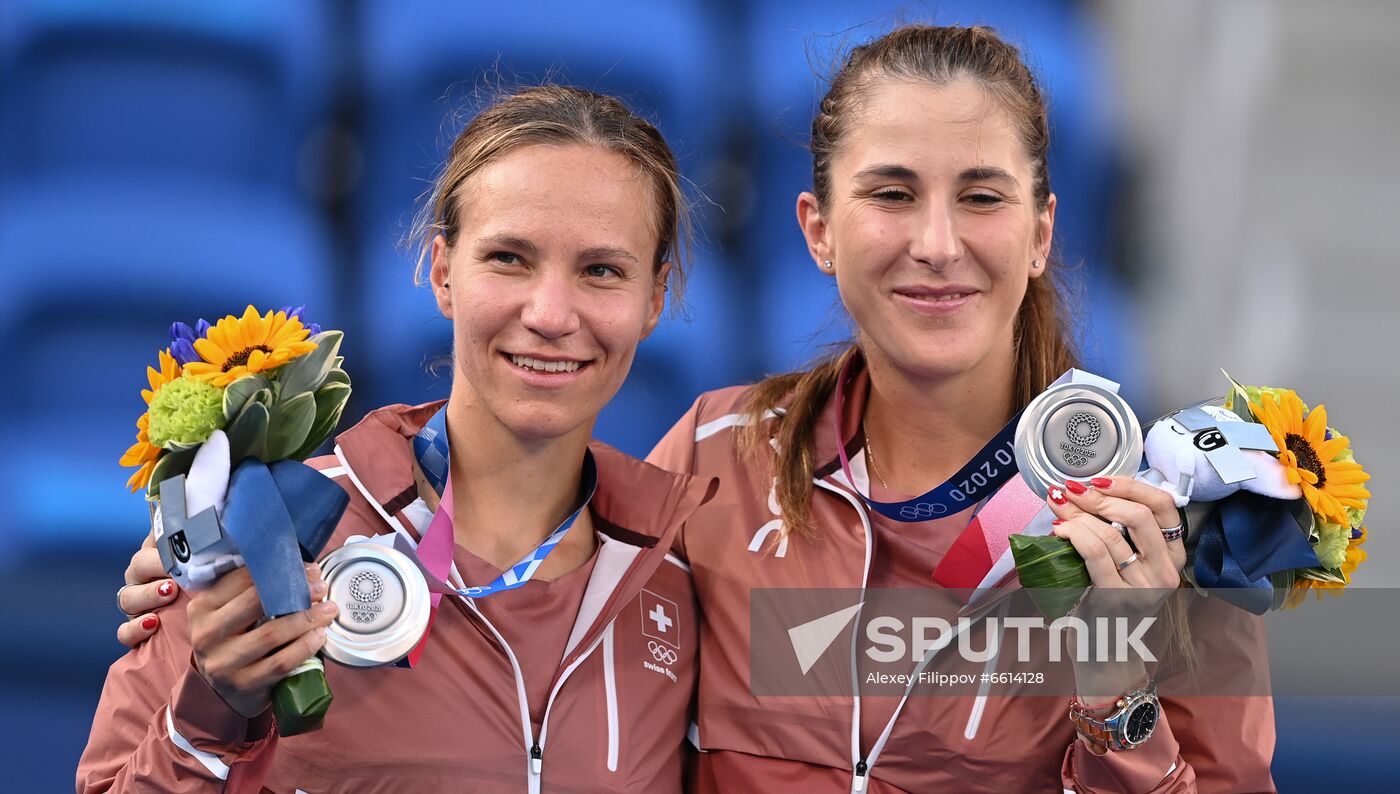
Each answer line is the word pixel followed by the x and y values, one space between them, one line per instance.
pixel 330 404
pixel 1238 400
pixel 300 702
pixel 1052 572
pixel 288 425
pixel 169 465
pixel 237 394
pixel 1282 582
pixel 1334 575
pixel 336 375
pixel 264 397
pixel 247 434
pixel 304 374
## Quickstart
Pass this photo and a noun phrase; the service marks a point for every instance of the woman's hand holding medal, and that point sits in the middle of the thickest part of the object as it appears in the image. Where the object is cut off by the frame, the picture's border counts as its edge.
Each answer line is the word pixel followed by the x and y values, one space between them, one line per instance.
pixel 1086 514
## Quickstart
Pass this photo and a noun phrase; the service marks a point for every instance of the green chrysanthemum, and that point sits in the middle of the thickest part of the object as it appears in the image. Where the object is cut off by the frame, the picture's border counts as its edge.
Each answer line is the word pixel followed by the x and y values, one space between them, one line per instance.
pixel 1254 392
pixel 186 411
pixel 1332 541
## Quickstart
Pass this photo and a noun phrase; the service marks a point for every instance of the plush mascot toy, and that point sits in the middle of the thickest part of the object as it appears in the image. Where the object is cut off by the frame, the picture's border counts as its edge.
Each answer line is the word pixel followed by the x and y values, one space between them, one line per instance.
pixel 1206 453
pixel 1251 522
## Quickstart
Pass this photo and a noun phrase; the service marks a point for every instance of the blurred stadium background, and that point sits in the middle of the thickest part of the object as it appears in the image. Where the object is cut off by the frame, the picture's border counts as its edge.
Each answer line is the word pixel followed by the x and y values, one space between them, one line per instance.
pixel 164 160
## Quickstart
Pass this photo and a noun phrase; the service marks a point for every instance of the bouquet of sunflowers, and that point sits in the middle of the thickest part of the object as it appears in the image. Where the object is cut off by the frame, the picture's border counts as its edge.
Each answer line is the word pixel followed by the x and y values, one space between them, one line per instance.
pixel 274 385
pixel 1272 497
pixel 231 413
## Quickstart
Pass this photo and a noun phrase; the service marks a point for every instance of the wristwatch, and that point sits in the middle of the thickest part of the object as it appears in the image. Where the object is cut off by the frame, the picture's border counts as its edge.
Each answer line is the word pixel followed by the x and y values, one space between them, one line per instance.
pixel 1131 722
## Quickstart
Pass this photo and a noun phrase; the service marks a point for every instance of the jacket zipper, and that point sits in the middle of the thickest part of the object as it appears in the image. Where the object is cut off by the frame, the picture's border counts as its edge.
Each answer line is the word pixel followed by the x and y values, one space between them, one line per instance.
pixel 537 759
pixel 534 749
pixel 863 763
pixel 860 765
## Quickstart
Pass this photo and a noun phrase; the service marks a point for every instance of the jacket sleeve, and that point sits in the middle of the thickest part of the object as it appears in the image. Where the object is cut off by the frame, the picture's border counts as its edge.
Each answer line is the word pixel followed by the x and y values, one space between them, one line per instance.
pixel 160 727
pixel 1217 730
pixel 675 452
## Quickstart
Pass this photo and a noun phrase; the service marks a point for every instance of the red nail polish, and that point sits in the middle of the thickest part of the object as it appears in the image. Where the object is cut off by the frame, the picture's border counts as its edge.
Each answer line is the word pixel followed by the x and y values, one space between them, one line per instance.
pixel 1076 487
pixel 1101 482
pixel 1058 496
pixel 166 588
pixel 150 622
pixel 1057 522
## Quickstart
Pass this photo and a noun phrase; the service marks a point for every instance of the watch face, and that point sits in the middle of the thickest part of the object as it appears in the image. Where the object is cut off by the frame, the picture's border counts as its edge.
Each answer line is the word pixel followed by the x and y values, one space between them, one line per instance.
pixel 1140 721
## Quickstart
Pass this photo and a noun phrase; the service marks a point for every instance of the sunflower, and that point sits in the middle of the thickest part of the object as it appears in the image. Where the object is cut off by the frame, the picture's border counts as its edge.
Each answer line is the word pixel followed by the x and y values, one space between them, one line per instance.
pixel 1313 457
pixel 1301 585
pixel 238 346
pixel 143 453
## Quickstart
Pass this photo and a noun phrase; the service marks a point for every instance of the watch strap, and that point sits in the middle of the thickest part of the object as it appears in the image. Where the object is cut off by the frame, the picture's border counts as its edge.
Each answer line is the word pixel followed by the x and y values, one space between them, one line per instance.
pixel 1107 732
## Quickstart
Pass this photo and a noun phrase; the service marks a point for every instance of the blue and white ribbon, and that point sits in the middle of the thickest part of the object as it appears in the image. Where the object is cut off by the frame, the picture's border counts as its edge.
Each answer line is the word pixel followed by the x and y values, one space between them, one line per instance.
pixel 432 449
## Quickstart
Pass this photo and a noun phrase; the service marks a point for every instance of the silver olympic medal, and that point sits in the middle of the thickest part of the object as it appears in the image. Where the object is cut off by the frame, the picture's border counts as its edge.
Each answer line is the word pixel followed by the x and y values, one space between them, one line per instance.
pixel 1075 431
pixel 384 605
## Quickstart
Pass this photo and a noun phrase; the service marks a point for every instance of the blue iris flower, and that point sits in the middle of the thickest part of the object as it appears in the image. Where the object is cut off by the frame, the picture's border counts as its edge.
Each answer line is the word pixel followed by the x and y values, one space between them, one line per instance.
pixel 182 338
pixel 314 328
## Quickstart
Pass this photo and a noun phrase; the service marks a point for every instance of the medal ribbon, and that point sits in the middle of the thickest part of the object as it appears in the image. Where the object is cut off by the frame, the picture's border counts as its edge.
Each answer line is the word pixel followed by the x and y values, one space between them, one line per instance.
pixel 981 476
pixel 435 549
pixel 991 472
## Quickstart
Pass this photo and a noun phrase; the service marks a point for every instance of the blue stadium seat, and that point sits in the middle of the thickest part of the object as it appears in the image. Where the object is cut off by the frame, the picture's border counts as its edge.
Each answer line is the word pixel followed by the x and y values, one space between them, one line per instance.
pixel 227 89
pixel 799 308
pixel 91 284
pixel 420 65
pixel 148 173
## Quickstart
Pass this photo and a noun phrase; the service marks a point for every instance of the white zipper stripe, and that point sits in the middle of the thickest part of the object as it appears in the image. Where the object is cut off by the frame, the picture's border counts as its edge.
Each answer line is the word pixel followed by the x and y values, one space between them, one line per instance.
pixel 369 497
pixel 526 729
pixel 392 521
pixel 974 719
pixel 549 705
pixel 857 781
pixel 909 688
pixel 610 690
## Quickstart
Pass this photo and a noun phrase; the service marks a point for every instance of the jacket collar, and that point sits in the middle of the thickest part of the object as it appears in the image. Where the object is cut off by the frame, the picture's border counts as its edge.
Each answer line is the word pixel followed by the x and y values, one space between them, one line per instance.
pixel 833 430
pixel 637 507
pixel 636 502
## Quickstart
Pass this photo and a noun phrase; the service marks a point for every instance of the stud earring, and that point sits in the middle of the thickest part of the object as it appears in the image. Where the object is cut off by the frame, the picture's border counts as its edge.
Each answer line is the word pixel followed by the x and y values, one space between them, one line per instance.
pixel 827 264
pixel 1035 264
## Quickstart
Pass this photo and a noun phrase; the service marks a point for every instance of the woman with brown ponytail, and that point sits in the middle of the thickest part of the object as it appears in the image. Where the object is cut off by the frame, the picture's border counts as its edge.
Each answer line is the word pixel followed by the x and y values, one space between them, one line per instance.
pixel 931 208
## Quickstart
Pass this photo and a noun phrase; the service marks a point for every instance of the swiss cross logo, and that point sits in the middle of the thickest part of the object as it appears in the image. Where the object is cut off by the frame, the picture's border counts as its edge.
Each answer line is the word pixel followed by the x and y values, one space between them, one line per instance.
pixel 661 619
